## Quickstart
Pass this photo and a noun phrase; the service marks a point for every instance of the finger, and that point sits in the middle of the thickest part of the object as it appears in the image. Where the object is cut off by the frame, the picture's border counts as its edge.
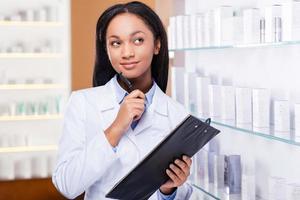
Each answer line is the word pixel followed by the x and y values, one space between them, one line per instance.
pixel 136 94
pixel 183 166
pixel 134 100
pixel 137 114
pixel 187 160
pixel 173 177
pixel 178 172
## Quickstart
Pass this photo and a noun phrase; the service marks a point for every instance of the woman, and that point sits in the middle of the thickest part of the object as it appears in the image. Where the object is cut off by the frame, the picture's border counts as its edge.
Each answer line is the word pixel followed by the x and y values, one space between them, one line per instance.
pixel 108 129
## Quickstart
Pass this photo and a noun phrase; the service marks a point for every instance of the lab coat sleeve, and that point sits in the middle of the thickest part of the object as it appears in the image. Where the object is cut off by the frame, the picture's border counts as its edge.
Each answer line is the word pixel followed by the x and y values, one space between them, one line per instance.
pixel 183 192
pixel 80 162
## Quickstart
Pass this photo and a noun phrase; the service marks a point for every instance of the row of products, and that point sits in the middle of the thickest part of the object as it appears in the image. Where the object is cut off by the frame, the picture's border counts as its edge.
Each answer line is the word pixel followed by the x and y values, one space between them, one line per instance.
pixel 49 105
pixel 38 166
pixel 43 13
pixel 246 107
pixel 6 80
pixel 231 176
pixel 224 26
pixel 45 46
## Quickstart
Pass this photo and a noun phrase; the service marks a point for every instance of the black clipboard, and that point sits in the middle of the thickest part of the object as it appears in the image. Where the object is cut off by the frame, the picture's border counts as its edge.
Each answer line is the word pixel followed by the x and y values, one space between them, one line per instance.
pixel 149 174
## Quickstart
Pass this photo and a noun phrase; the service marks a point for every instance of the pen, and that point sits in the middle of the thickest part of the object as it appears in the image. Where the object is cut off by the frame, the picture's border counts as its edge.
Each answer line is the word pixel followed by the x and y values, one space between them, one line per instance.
pixel 126 81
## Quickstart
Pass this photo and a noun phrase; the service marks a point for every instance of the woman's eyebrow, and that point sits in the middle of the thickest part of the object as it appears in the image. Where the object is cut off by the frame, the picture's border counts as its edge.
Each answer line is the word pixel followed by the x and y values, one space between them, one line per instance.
pixel 131 34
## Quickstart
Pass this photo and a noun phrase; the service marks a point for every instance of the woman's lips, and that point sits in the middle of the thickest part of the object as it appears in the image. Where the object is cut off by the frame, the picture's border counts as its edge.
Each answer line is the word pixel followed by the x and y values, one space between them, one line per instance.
pixel 129 65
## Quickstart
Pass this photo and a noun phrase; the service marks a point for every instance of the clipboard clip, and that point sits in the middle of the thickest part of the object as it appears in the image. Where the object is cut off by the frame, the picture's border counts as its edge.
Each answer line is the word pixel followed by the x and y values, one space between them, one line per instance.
pixel 208 121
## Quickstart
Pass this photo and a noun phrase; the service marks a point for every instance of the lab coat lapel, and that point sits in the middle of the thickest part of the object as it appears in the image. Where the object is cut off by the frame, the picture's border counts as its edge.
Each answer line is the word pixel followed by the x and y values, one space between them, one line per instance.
pixel 107 105
pixel 158 108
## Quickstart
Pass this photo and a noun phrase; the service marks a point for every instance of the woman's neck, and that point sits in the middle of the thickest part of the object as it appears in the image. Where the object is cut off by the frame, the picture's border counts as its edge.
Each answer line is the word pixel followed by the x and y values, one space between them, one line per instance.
pixel 143 83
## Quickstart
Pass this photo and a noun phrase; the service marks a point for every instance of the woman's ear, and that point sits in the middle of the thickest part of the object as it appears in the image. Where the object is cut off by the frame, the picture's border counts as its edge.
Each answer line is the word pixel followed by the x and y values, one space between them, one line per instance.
pixel 157 47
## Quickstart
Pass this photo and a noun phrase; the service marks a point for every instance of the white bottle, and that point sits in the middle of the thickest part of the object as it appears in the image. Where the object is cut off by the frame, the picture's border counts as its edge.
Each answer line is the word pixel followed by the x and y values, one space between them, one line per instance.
pixel 282 116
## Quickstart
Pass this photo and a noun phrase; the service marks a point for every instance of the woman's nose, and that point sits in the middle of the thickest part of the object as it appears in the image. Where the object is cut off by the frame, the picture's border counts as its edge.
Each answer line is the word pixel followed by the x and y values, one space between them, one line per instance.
pixel 127 51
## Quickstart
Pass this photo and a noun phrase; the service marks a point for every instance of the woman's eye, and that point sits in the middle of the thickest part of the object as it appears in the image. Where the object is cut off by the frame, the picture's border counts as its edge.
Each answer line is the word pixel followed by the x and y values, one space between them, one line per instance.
pixel 138 41
pixel 115 43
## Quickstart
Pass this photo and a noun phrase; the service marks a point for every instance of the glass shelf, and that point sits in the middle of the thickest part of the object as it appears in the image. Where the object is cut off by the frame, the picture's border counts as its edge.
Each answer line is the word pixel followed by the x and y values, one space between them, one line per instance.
pixel 268 133
pixel 273 44
pixel 31 86
pixel 30 23
pixel 30 117
pixel 30 55
pixel 201 194
pixel 217 194
pixel 28 149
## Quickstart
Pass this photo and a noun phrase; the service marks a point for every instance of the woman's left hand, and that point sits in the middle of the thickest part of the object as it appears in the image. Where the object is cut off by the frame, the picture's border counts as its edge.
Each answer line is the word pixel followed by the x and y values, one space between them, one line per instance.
pixel 178 173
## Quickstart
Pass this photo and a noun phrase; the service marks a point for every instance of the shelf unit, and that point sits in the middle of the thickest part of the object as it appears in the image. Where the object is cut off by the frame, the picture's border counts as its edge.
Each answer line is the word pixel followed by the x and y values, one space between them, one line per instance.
pixel 35 72
pixel 263 65
pixel 240 46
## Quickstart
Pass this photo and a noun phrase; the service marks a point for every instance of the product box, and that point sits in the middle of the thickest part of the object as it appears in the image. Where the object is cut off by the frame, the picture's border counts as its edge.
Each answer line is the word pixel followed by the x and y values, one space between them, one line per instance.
pixel 214 92
pixel 261 108
pixel 291 21
pixel 172 32
pixel 243 105
pixel 282 116
pixel 179 32
pixel 202 99
pixel 186 31
pixel 273 21
pixel 227 103
pixel 189 91
pixel 251 26
pixel 177 79
pixel 219 15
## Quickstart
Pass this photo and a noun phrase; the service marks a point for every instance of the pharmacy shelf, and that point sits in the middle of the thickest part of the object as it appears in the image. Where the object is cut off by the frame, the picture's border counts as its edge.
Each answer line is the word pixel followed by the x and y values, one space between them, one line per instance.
pixel 239 46
pixel 267 133
pixel 201 193
pixel 30 55
pixel 30 117
pixel 31 86
pixel 30 24
pixel 22 149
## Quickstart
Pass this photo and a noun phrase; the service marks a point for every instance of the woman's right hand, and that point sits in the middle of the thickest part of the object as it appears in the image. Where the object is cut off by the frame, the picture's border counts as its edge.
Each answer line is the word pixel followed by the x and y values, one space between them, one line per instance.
pixel 131 109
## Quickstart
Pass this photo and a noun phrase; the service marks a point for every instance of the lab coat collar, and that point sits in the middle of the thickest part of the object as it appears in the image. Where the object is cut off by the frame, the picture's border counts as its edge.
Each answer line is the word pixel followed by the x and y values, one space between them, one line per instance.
pixel 159 102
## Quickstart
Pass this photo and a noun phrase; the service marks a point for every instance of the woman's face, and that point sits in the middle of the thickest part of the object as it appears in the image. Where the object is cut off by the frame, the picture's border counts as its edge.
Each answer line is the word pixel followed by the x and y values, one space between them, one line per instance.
pixel 130 46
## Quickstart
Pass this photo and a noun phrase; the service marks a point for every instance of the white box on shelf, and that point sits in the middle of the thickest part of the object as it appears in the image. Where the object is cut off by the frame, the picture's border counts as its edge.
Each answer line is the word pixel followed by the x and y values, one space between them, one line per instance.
pixel 237 30
pixel 172 33
pixel 243 105
pixel 291 21
pixel 219 28
pixel 202 95
pixel 179 32
pixel 227 102
pixel 189 91
pixel 293 191
pixel 251 19
pixel 221 171
pixel 208 29
pixel 273 20
pixel 248 179
pixel 193 31
pixel 214 92
pixel 177 86
pixel 297 122
pixel 186 31
pixel 277 188
pixel 200 31
pixel 39 166
pixel 282 116
pixel 7 167
pixel 203 169
pixel 22 168
pixel 261 108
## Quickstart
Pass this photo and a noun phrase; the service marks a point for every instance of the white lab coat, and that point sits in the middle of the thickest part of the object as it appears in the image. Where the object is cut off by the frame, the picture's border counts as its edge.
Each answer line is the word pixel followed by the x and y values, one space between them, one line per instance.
pixel 87 162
